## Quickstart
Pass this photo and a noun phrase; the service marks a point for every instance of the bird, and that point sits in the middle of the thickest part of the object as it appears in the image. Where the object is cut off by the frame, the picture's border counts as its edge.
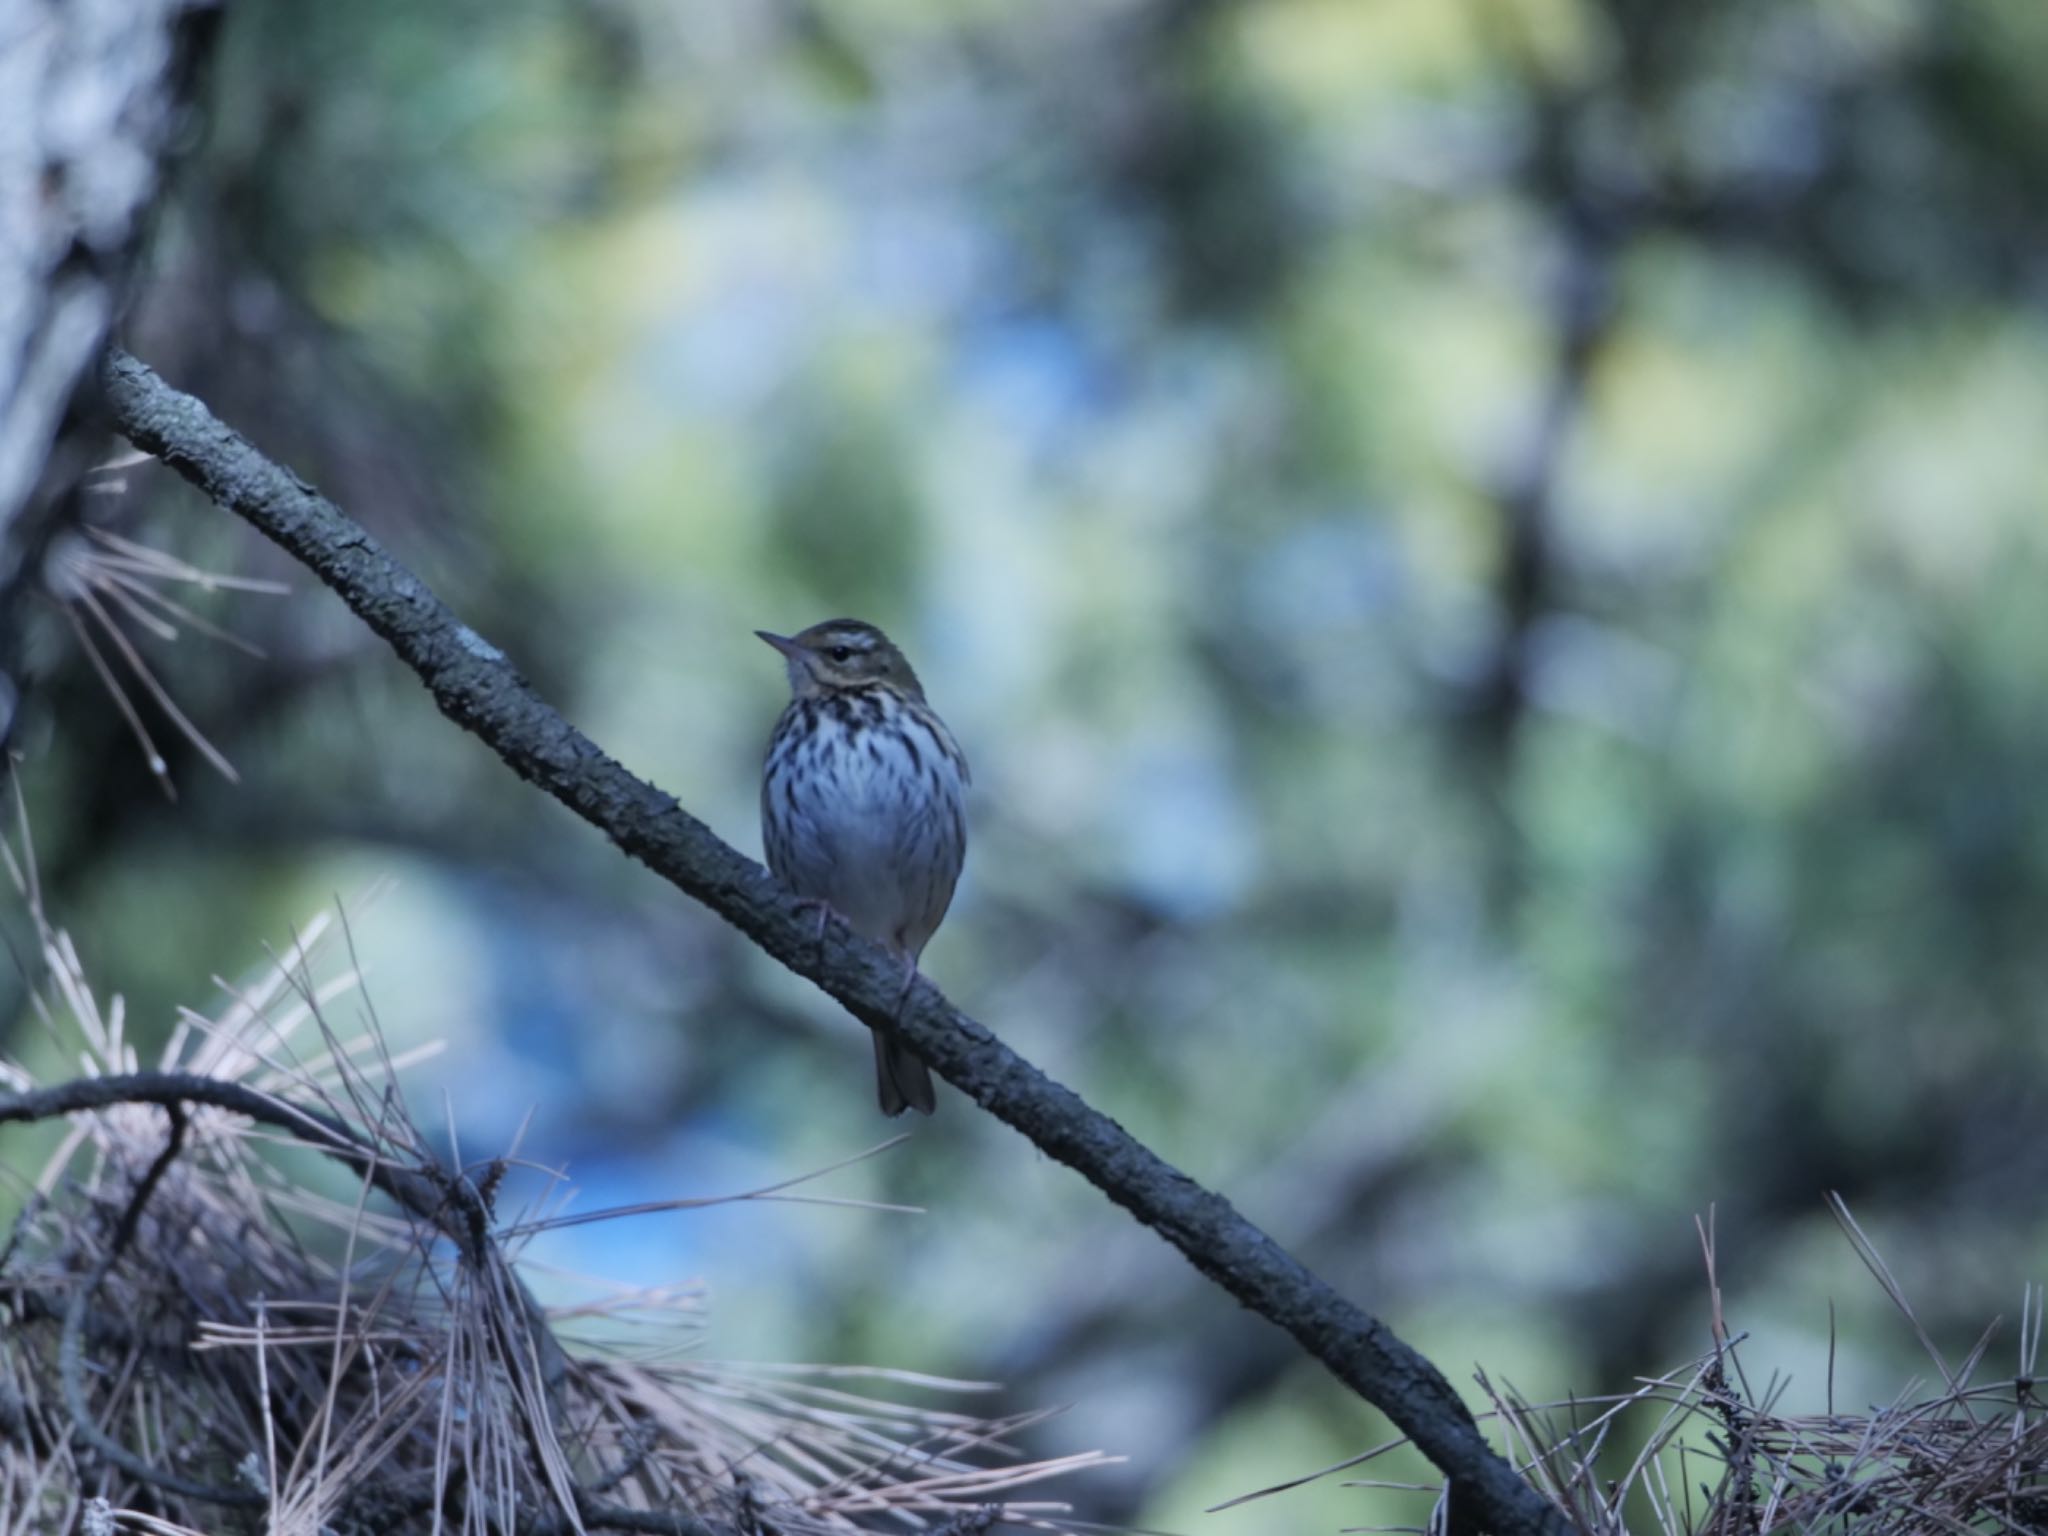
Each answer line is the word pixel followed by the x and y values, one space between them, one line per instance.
pixel 862 808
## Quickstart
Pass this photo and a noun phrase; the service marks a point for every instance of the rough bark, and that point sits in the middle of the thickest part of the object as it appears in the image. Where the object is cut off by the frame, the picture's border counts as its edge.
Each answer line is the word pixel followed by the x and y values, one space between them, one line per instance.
pixel 91 100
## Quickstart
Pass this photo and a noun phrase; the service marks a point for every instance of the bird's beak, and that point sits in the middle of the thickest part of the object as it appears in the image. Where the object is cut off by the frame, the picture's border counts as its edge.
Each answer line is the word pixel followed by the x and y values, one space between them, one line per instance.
pixel 782 643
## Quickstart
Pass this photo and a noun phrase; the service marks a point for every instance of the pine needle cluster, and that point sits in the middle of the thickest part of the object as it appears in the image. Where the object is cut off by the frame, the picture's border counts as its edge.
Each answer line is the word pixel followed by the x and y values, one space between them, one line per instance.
pixel 202 1330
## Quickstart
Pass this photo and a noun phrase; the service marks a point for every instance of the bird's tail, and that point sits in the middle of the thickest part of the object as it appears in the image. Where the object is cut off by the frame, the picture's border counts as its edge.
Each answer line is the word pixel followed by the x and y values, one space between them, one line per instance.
pixel 902 1080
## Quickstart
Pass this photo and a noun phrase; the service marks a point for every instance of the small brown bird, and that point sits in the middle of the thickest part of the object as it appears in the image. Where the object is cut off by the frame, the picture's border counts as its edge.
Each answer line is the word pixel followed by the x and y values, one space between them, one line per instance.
pixel 861 807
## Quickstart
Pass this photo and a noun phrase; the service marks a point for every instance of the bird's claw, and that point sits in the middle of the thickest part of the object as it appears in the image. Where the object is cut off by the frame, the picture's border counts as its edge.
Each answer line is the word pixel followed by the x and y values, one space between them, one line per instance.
pixel 824 916
pixel 909 981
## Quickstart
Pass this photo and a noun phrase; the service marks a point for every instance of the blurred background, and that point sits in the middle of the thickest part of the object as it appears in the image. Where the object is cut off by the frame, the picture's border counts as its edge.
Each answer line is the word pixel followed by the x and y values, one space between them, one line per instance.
pixel 1488 556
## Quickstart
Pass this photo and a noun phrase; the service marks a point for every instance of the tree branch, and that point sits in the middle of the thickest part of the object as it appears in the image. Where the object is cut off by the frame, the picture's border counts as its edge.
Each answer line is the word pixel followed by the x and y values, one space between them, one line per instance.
pixel 448 1202
pixel 476 687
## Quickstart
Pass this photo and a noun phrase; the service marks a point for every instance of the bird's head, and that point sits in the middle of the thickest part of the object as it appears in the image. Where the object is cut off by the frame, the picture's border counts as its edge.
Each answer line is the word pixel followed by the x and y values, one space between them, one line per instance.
pixel 843 654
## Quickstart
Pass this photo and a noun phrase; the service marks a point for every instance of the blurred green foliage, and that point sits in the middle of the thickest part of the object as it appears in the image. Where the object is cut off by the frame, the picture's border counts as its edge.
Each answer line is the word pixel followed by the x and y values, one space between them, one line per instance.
pixel 1487 556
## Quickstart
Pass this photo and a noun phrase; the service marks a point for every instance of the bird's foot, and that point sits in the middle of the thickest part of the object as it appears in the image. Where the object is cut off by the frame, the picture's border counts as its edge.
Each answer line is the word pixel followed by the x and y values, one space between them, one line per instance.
pixel 909 981
pixel 824 910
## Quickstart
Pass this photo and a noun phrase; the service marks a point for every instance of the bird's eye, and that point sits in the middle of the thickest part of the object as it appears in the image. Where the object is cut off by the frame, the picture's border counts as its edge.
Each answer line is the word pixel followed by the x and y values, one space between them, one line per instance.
pixel 842 653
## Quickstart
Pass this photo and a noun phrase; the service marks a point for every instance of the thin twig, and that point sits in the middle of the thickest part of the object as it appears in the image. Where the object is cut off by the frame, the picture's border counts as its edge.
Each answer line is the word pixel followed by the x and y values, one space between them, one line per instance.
pixel 437 1199
pixel 71 1347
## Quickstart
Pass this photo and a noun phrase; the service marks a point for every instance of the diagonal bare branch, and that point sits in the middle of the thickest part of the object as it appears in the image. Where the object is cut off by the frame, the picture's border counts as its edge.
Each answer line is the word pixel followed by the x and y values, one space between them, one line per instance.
pixel 479 689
